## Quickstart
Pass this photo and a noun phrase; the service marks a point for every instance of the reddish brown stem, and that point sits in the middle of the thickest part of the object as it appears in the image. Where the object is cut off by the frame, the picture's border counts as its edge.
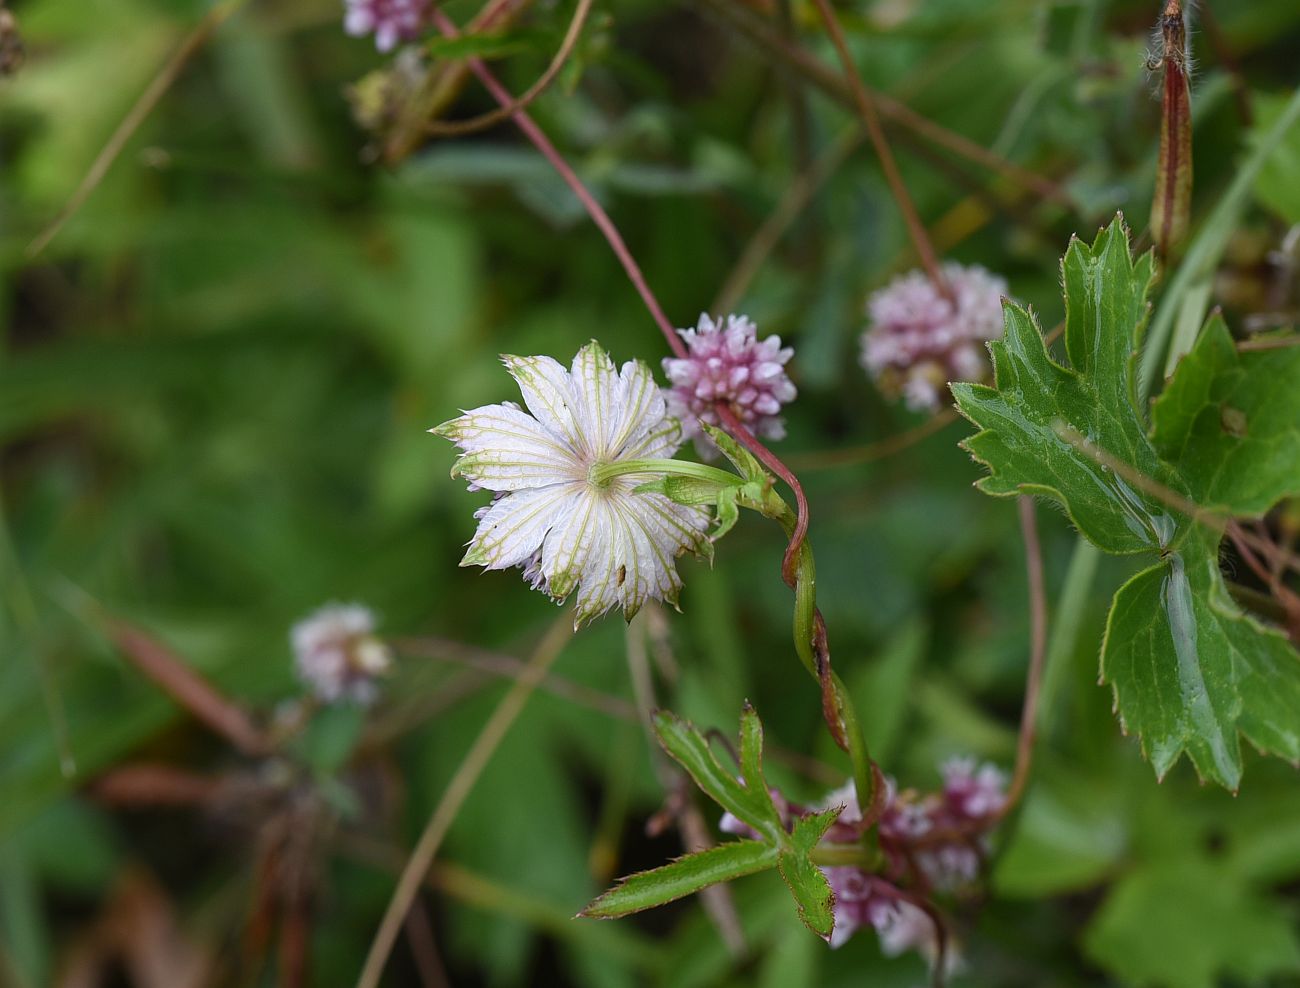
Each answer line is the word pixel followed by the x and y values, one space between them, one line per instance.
pixel 1037 655
pixel 155 785
pixel 871 120
pixel 633 270
pixel 594 209
pixel 1171 210
pixel 188 688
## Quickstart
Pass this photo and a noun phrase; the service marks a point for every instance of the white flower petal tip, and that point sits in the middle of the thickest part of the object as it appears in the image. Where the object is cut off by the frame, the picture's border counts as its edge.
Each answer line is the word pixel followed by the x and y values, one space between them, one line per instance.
pixel 607 543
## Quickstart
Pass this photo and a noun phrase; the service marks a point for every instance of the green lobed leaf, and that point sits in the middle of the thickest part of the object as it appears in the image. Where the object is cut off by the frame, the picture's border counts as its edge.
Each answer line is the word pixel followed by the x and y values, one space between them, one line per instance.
pixel 1182 924
pixel 1020 418
pixel 682 877
pixel 1190 671
pixel 1231 422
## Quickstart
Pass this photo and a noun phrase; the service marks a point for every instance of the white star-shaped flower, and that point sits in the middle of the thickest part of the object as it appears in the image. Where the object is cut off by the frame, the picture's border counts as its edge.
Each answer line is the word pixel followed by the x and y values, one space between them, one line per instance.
pixel 549 517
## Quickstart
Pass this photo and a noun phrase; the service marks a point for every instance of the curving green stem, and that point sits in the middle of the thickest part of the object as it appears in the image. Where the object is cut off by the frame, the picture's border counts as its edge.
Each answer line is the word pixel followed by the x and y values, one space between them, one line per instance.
pixel 602 473
pixel 809 633
pixel 806 634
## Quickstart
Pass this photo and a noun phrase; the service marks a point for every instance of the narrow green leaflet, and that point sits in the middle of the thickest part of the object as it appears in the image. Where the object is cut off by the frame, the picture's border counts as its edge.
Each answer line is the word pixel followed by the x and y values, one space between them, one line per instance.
pixel 747 799
pixel 804 879
pixel 1189 669
pixel 1231 421
pixel 682 877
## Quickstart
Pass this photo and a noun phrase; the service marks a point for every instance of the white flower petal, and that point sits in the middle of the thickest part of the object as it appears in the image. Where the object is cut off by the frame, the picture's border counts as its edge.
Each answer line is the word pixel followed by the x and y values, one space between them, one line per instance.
pixel 605 569
pixel 660 442
pixel 568 544
pixel 515 526
pixel 642 404
pixel 596 385
pixel 548 393
pixel 506 450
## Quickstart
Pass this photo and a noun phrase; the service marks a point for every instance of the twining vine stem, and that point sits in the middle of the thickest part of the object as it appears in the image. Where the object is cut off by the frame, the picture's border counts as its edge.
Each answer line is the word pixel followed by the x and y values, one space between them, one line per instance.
pixel 871 120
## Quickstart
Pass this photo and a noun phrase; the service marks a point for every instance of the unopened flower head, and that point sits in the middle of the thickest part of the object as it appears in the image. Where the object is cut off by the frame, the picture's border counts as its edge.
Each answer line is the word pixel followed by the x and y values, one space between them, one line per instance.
pixel 726 362
pixel 338 655
pixel 554 516
pixel 918 340
pixel 390 21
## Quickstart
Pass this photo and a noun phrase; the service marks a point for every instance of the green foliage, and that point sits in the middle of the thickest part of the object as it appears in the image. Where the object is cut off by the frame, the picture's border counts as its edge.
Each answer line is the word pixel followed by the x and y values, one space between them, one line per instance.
pixel 750 801
pixel 214 389
pixel 1231 421
pixel 1189 669
pixel 1181 925
pixel 1278 183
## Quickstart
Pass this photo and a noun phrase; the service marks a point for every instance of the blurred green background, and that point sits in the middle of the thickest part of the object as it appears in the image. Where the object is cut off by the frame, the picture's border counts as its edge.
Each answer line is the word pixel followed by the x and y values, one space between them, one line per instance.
pixel 214 389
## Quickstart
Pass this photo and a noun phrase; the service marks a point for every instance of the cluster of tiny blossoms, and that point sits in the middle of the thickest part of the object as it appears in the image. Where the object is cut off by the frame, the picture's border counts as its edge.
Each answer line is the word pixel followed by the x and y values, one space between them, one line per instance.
pixel 933 842
pixel 919 340
pixel 726 362
pixel 337 654
pixel 390 21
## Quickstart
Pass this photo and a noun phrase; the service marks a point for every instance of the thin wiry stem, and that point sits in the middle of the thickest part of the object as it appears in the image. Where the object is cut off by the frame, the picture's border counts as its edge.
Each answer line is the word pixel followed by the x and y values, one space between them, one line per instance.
pixel 594 209
pixel 878 450
pixel 871 120
pixel 796 59
pixel 795 200
pixel 453 798
pixel 1268 343
pixel 1037 654
pixel 440 128
pixel 601 218
pixel 137 115
pixel 507 666
pixel 441 85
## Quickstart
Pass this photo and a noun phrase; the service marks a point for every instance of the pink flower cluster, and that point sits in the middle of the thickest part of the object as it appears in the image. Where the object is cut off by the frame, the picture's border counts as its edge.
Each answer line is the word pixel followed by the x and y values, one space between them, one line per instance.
pixel 390 21
pixel 935 842
pixel 338 655
pixel 727 362
pixel 918 340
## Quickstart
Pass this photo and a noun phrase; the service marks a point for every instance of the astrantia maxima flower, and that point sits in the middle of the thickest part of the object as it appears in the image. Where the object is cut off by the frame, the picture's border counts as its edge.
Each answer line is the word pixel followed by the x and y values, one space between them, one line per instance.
pixel 337 653
pixel 390 21
pixel 727 362
pixel 565 528
pixel 918 340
